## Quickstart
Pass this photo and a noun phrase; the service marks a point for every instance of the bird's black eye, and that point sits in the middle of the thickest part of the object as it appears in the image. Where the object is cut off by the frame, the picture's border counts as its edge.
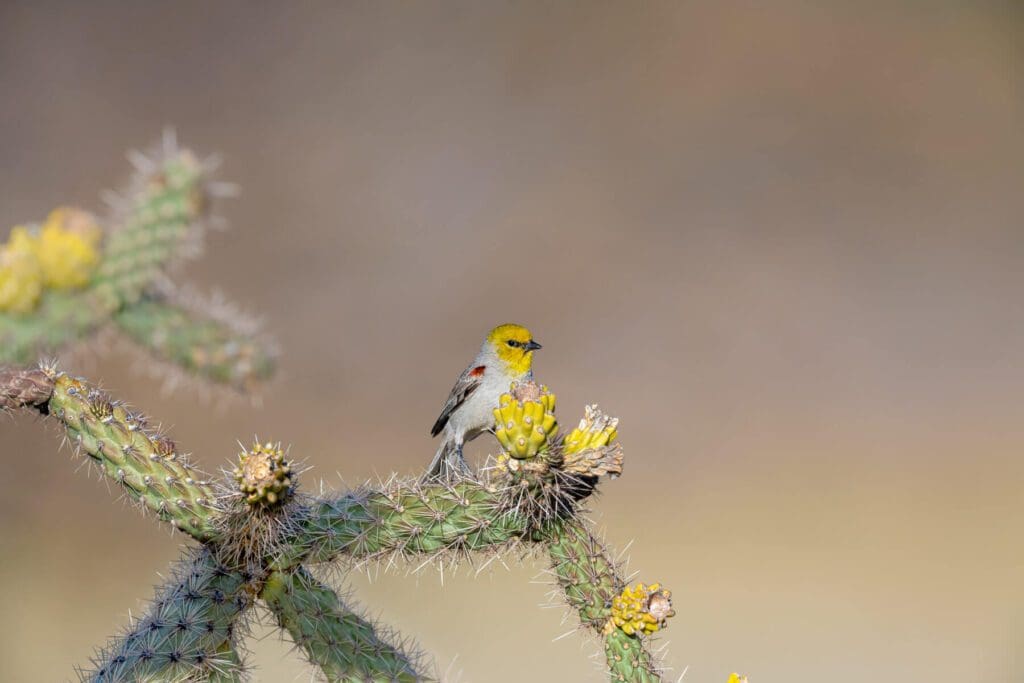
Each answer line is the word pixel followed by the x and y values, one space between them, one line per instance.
pixel 513 343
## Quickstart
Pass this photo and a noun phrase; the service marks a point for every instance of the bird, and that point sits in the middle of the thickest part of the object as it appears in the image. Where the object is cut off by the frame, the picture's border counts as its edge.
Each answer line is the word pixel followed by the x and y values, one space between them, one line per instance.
pixel 506 356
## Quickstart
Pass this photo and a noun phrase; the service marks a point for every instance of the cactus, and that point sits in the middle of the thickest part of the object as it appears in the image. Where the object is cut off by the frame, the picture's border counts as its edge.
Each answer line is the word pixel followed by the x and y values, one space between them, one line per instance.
pixel 258 536
pixel 189 631
pixel 64 280
pixel 343 644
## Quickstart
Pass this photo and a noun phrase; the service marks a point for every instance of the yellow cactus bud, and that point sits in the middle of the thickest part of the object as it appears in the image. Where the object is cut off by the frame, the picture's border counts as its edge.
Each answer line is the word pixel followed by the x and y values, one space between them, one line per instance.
pixel 736 678
pixel 594 431
pixel 67 248
pixel 524 421
pixel 21 276
pixel 642 609
pixel 263 474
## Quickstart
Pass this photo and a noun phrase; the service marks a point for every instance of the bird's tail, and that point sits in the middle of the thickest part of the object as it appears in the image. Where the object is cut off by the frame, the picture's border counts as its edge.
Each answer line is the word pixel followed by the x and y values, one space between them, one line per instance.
pixel 448 463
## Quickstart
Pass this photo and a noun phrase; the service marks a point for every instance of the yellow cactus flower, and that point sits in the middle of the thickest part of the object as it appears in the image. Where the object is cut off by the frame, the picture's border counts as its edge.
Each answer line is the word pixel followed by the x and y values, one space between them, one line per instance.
pixel 736 678
pixel 67 248
pixel 525 421
pixel 21 277
pixel 642 609
pixel 594 431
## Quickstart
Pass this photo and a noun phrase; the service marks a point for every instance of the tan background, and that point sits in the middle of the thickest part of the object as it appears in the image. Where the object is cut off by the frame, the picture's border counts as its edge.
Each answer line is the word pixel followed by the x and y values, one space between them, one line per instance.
pixel 784 245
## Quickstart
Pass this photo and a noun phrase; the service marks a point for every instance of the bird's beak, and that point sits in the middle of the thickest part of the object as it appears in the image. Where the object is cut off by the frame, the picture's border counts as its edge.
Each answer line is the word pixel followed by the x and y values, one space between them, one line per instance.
pixel 532 346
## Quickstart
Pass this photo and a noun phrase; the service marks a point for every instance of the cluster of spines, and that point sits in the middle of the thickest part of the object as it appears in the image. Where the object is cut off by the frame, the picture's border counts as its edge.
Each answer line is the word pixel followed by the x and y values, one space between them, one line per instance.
pixel 340 642
pixel 189 632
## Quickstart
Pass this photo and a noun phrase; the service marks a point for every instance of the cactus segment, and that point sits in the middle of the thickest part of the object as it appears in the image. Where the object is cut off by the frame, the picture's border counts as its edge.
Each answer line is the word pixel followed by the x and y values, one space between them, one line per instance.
pixel 201 345
pixel 593 587
pixel 629 660
pixel 345 646
pixel 189 631
pixel 148 467
pixel 163 212
pixel 403 519
pixel 586 574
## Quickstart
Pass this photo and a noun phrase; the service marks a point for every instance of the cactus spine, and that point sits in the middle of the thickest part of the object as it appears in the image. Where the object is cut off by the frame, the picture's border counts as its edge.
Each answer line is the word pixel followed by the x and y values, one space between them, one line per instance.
pixel 257 532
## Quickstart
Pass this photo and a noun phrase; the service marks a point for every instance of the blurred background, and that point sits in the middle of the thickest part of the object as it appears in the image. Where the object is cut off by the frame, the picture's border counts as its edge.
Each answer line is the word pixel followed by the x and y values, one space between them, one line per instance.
pixel 783 245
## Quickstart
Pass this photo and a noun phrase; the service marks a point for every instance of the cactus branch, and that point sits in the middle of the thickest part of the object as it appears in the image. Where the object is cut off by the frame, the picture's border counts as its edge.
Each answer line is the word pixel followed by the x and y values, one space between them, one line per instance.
pixel 148 467
pixel 188 633
pixel 202 345
pixel 593 587
pixel 403 519
pixel 344 645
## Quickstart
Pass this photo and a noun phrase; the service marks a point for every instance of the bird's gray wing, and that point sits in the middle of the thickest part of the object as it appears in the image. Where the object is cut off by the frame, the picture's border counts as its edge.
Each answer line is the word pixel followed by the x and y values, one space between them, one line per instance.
pixel 468 382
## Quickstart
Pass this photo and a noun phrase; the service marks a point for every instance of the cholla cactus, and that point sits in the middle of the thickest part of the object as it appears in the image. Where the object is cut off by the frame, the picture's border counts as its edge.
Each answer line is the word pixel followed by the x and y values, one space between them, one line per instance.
pixel 257 537
pixel 63 280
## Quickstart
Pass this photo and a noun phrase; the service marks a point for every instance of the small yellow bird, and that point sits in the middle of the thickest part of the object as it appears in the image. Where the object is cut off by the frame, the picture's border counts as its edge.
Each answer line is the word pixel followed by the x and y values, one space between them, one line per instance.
pixel 505 357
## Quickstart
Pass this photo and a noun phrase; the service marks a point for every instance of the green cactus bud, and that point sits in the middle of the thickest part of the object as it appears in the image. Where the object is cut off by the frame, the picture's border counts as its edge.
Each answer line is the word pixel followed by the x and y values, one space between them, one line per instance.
pixel 263 475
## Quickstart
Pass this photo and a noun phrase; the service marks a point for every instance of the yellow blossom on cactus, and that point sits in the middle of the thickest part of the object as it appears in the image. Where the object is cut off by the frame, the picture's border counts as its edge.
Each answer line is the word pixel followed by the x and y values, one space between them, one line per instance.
pixel 67 248
pixel 642 609
pixel 525 420
pixel 594 431
pixel 21 277
pixel 736 678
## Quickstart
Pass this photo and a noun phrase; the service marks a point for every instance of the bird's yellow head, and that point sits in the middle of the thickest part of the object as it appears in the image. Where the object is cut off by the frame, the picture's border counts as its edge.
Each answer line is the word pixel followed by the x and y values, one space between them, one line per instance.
pixel 514 346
